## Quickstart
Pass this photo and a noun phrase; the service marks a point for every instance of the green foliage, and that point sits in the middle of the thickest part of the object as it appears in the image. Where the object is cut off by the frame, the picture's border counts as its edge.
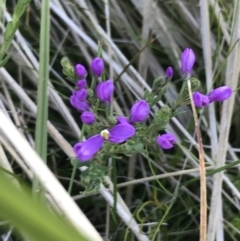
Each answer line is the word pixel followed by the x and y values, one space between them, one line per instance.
pixel 93 176
pixel 33 219
pixel 163 116
pixel 68 69
pixel 10 30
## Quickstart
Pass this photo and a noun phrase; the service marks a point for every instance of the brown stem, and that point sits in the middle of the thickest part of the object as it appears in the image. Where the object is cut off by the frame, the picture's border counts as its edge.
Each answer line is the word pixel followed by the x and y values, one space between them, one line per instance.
pixel 203 190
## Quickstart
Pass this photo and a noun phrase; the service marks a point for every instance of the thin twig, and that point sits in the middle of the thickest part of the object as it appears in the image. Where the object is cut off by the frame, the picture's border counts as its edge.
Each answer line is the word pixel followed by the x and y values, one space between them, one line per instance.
pixel 202 171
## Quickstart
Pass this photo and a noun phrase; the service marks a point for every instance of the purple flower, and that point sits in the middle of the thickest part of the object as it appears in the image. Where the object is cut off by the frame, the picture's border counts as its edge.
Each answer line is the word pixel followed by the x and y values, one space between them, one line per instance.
pixel 80 70
pixel 121 133
pixel 81 83
pixel 122 120
pixel 78 100
pixel 187 61
pixel 105 90
pixel 87 149
pixel 220 94
pixel 87 117
pixel 97 66
pixel 139 112
pixel 166 141
pixel 200 100
pixel 169 72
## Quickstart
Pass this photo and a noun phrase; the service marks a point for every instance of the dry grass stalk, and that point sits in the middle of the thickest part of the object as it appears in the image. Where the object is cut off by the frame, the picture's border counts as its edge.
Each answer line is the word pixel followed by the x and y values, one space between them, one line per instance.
pixel 203 189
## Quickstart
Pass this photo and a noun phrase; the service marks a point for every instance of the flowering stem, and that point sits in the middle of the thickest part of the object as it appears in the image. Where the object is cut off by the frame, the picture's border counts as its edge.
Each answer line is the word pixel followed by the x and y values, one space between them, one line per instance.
pixel 75 164
pixel 114 186
pixel 203 191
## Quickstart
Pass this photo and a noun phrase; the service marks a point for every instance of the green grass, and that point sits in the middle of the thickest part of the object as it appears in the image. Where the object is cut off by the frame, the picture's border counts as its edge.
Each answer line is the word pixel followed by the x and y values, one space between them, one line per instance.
pixel 171 27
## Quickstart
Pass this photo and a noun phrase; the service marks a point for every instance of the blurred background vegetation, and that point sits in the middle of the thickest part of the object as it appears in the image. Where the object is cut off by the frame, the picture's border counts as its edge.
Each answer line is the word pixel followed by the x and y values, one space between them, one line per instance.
pixel 150 35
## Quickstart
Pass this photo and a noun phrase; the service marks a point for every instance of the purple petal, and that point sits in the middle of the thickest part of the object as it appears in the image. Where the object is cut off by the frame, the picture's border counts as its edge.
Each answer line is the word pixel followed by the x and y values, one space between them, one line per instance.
pixel 121 133
pixel 200 100
pixel 87 117
pixel 220 94
pixel 105 90
pixel 80 95
pixel 80 70
pixel 87 149
pixel 139 111
pixel 81 83
pixel 78 100
pixel 187 60
pixel 169 72
pixel 122 120
pixel 97 66
pixel 79 105
pixel 166 141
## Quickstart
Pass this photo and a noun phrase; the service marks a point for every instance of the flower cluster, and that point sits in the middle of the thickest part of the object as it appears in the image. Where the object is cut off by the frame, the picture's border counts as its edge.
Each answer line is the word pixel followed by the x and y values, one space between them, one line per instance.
pixel 124 127
pixel 120 129
pixel 200 100
pixel 217 95
pixel 104 90
pixel 115 135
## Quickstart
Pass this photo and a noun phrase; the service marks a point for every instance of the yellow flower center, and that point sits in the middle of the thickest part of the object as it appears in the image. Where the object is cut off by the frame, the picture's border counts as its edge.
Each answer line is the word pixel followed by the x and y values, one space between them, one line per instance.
pixel 105 134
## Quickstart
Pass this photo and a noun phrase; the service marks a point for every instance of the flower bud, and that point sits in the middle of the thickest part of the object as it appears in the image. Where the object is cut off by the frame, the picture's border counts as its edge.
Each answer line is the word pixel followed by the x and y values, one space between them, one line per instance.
pixel 87 117
pixel 166 141
pixel 105 90
pixel 112 120
pixel 139 111
pixel 78 100
pixel 97 66
pixel 65 61
pixel 81 83
pixel 187 61
pixel 80 70
pixel 220 94
pixel 200 100
pixel 169 72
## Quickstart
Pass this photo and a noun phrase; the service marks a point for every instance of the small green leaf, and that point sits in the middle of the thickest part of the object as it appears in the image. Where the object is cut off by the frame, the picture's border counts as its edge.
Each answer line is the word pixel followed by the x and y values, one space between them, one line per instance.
pixel 92 177
pixel 146 95
pixel 20 9
pixel 157 82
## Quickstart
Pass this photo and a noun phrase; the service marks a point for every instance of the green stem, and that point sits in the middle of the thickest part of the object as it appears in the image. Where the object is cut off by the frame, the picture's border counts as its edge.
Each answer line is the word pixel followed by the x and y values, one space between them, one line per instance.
pixel 75 165
pixel 114 176
pixel 93 84
pixel 153 172
pixel 161 221
pixel 42 96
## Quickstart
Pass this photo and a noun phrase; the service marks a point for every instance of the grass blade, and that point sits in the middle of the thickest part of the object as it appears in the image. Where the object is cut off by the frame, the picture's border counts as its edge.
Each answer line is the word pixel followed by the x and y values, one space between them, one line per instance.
pixel 42 98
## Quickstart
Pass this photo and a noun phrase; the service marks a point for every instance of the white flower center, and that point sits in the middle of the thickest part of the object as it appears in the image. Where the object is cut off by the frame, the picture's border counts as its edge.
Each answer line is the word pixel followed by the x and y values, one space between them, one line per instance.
pixel 105 134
